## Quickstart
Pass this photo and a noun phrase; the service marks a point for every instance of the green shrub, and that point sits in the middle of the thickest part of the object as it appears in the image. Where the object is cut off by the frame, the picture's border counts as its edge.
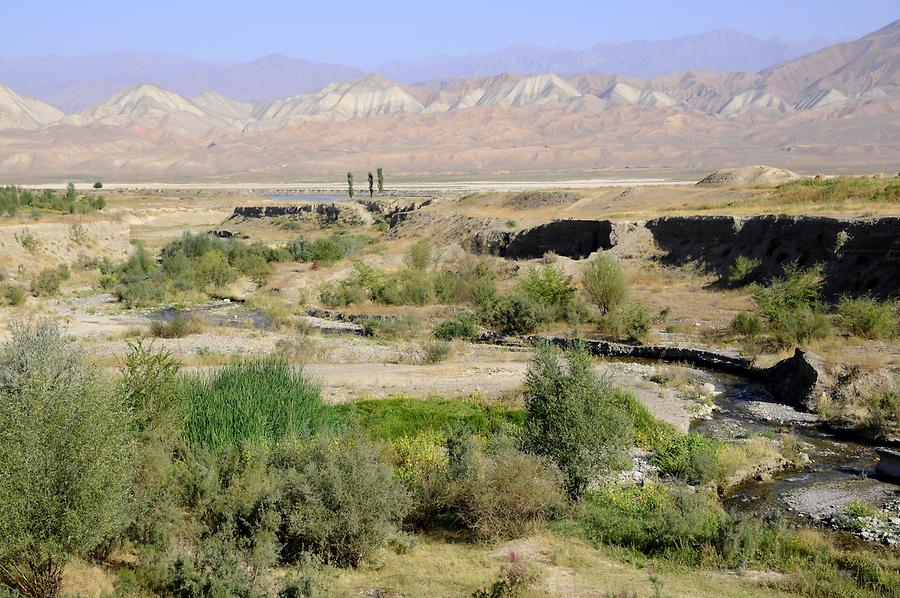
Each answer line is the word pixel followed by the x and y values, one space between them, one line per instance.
pixel 256 401
pixel 637 321
pixel 693 458
pixel 575 419
pixel 790 306
pixel 743 270
pixel 341 295
pixel 420 255
pixel 605 283
pixel 12 294
pixel 178 326
pixel 472 282
pixel 513 314
pixel 436 351
pixel 747 324
pixel 150 388
pixel 549 288
pixel 462 326
pixel 66 459
pixel 867 318
pixel 514 580
pixel 338 500
pixel 502 492
pixel 47 281
pixel 391 326
pixel 651 518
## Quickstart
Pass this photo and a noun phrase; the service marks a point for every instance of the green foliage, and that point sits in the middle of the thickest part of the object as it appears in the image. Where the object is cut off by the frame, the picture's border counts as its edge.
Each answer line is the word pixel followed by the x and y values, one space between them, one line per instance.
pixel 550 289
pixel 743 270
pixel 396 417
pixel 338 500
pixel 193 263
pixel 14 198
pixel 463 325
pixel 513 314
pixel 66 459
pixel 866 317
pixel 255 401
pixel 605 283
pixel 436 351
pixel 98 185
pixel 178 326
pixel 150 388
pixel 747 324
pixel 692 458
pixel 12 294
pixel 651 518
pixel 390 327
pixel 637 321
pixel 574 418
pixel 514 580
pixel 323 250
pixel 28 241
pixel 838 189
pixel 47 281
pixel 380 176
pixel 472 282
pixel 790 306
pixel 371 184
pixel 350 184
pixel 420 256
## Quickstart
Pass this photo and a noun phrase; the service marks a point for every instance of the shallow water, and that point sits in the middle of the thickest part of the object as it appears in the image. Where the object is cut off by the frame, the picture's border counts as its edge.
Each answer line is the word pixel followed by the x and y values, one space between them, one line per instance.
pixel 220 314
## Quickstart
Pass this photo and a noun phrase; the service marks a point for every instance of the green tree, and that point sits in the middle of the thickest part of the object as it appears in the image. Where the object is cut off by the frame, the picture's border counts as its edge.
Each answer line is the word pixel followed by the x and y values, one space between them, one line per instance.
pixel 574 418
pixel 71 194
pixel 66 459
pixel 371 184
pixel 350 184
pixel 605 283
pixel 380 174
pixel 98 185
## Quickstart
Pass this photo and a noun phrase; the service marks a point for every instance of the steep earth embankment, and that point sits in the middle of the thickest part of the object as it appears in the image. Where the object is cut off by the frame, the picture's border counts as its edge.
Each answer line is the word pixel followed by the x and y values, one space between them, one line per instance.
pixel 858 256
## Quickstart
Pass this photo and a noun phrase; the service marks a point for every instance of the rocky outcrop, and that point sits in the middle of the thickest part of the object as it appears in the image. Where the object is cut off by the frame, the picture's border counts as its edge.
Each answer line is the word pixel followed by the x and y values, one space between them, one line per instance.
pixel 800 380
pixel 571 238
pixel 858 256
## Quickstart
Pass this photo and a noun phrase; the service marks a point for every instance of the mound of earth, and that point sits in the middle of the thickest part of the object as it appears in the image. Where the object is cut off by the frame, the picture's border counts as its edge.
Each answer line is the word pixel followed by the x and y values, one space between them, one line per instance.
pixel 749 175
pixel 529 200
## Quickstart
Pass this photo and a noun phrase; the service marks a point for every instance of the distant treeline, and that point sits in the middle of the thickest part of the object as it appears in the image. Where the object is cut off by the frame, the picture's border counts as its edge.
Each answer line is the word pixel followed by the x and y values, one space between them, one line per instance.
pixel 13 199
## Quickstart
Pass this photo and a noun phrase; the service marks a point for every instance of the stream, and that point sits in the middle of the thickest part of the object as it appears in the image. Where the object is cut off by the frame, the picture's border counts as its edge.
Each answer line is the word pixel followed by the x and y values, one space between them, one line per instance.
pixel 839 470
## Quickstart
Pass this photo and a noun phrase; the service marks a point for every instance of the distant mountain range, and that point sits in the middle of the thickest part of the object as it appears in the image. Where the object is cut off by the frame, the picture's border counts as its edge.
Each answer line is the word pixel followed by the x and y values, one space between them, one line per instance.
pixel 839 103
pixel 74 82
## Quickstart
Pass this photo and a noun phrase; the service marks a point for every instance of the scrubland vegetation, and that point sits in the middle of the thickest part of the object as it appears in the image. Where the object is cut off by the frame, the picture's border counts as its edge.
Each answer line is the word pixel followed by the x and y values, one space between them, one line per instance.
pixel 242 482
pixel 15 201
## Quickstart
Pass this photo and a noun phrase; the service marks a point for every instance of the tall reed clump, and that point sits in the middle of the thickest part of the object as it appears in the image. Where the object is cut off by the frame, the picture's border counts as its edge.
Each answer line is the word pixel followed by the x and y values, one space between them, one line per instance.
pixel 254 401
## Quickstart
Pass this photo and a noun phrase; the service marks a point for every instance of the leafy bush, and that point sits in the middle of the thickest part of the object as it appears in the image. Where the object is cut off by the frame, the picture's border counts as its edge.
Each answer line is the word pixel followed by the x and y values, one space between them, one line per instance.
pixel 177 326
pixel 12 294
pixel 47 281
pixel 323 250
pixel 693 458
pixel 66 459
pixel 549 288
pixel 513 314
pixel 150 388
pixel 472 282
pixel 436 351
pixel 605 283
pixel 338 500
pixel 13 198
pixel 420 255
pixel 257 401
pixel 747 324
pixel 790 306
pixel 868 318
pixel 574 418
pixel 651 518
pixel 743 270
pixel 637 321
pixel 390 327
pixel 514 580
pixel 462 326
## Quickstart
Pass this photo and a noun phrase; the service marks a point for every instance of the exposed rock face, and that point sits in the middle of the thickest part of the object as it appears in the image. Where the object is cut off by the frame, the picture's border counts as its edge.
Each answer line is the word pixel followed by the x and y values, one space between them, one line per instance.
pixel 749 175
pixel 858 256
pixel 798 381
pixel 326 213
pixel 571 238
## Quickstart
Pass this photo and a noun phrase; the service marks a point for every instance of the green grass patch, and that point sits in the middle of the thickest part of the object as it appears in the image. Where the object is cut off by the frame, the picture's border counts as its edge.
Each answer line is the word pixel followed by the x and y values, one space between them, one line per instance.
pixel 255 401
pixel 398 416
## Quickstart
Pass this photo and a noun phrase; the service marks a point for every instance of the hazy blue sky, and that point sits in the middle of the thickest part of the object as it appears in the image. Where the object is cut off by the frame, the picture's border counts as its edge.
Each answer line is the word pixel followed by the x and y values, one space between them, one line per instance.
pixel 367 33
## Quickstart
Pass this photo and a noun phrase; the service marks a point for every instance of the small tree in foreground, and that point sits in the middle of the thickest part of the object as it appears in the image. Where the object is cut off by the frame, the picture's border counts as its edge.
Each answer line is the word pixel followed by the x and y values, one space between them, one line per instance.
pixel 574 418
pixel 66 459
pixel 380 174
pixel 350 184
